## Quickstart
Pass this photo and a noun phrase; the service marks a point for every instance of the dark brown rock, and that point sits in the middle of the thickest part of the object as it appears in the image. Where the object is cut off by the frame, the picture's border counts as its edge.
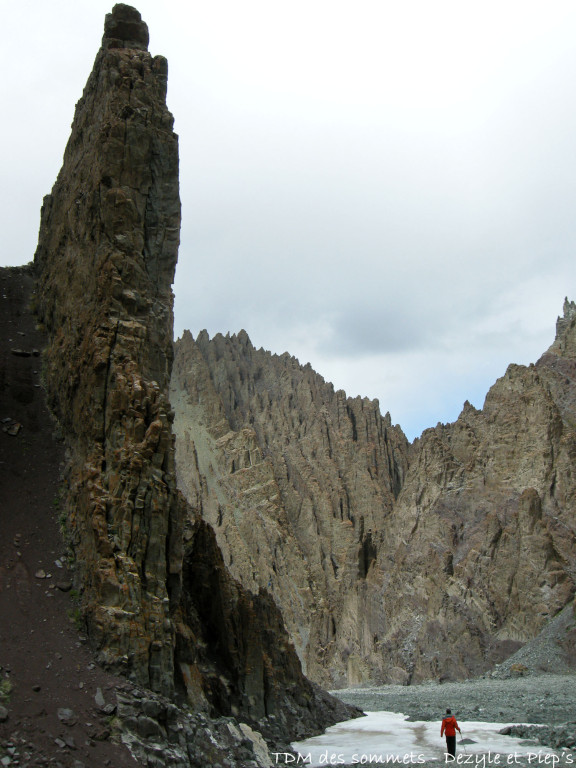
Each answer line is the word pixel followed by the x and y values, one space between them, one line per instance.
pixel 124 28
pixel 105 260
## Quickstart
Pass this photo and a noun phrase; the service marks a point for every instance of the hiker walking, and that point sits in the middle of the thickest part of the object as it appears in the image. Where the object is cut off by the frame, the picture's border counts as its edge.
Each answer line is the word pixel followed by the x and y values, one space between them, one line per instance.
pixel 449 727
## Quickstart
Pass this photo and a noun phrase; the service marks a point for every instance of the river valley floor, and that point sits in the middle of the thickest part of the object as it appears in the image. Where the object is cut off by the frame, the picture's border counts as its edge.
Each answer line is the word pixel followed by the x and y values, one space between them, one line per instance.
pixel 403 724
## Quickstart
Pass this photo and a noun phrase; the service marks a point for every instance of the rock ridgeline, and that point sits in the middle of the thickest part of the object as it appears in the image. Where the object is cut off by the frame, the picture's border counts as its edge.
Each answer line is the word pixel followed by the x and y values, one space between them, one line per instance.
pixel 159 604
pixel 297 481
pixel 390 562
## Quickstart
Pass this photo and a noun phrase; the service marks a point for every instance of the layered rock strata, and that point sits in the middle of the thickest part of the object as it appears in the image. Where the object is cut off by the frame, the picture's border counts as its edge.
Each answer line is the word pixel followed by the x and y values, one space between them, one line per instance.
pixel 390 563
pixel 297 481
pixel 158 601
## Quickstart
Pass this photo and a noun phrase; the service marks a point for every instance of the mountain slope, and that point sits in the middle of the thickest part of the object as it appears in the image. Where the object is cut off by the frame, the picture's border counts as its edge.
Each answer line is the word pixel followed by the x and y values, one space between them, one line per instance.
pixel 480 549
pixel 389 562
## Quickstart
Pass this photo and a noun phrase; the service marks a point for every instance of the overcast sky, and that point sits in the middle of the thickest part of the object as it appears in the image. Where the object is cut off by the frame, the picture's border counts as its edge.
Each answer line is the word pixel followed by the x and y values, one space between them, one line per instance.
pixel 383 188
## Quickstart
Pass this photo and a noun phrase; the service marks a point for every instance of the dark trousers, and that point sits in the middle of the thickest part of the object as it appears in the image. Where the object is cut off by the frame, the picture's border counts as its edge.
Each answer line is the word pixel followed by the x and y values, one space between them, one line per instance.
pixel 451 745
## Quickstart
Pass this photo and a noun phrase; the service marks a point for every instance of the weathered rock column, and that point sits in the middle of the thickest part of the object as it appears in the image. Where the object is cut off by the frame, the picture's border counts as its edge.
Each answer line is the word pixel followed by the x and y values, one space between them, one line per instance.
pixel 105 262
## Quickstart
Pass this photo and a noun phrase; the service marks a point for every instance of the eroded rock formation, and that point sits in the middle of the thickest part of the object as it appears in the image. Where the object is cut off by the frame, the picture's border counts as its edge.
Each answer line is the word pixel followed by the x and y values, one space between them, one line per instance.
pixel 297 481
pixel 159 604
pixel 390 563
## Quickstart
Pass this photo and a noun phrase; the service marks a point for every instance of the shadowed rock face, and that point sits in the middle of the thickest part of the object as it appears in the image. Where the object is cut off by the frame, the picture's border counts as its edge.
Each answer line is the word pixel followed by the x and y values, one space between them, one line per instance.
pixel 241 660
pixel 105 264
pixel 389 563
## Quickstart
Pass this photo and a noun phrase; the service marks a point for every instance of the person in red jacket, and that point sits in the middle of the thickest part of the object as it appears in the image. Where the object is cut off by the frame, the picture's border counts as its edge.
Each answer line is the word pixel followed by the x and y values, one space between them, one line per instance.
pixel 449 727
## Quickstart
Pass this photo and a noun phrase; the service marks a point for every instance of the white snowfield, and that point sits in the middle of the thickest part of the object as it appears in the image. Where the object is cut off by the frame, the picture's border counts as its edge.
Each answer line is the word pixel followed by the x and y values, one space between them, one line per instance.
pixel 388 738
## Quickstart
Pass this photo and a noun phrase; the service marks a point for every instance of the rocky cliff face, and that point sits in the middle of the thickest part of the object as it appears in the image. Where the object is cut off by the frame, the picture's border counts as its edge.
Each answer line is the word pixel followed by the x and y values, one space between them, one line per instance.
pixel 479 553
pixel 297 481
pixel 390 563
pixel 159 603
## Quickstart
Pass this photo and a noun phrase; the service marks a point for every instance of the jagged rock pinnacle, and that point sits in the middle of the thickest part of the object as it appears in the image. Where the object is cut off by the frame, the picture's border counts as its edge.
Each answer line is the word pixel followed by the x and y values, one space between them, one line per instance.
pixel 569 310
pixel 565 341
pixel 124 28
pixel 120 178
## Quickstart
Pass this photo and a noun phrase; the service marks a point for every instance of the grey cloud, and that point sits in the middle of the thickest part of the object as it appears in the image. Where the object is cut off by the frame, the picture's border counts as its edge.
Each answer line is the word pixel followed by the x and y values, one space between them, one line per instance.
pixel 335 207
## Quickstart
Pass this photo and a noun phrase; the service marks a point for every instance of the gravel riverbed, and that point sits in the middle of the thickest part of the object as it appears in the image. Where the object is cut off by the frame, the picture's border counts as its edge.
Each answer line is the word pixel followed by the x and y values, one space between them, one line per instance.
pixel 549 699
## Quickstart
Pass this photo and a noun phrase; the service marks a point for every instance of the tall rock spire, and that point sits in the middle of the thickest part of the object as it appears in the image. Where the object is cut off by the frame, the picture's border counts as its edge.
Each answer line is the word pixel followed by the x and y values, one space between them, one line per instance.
pixel 106 257
pixel 156 610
